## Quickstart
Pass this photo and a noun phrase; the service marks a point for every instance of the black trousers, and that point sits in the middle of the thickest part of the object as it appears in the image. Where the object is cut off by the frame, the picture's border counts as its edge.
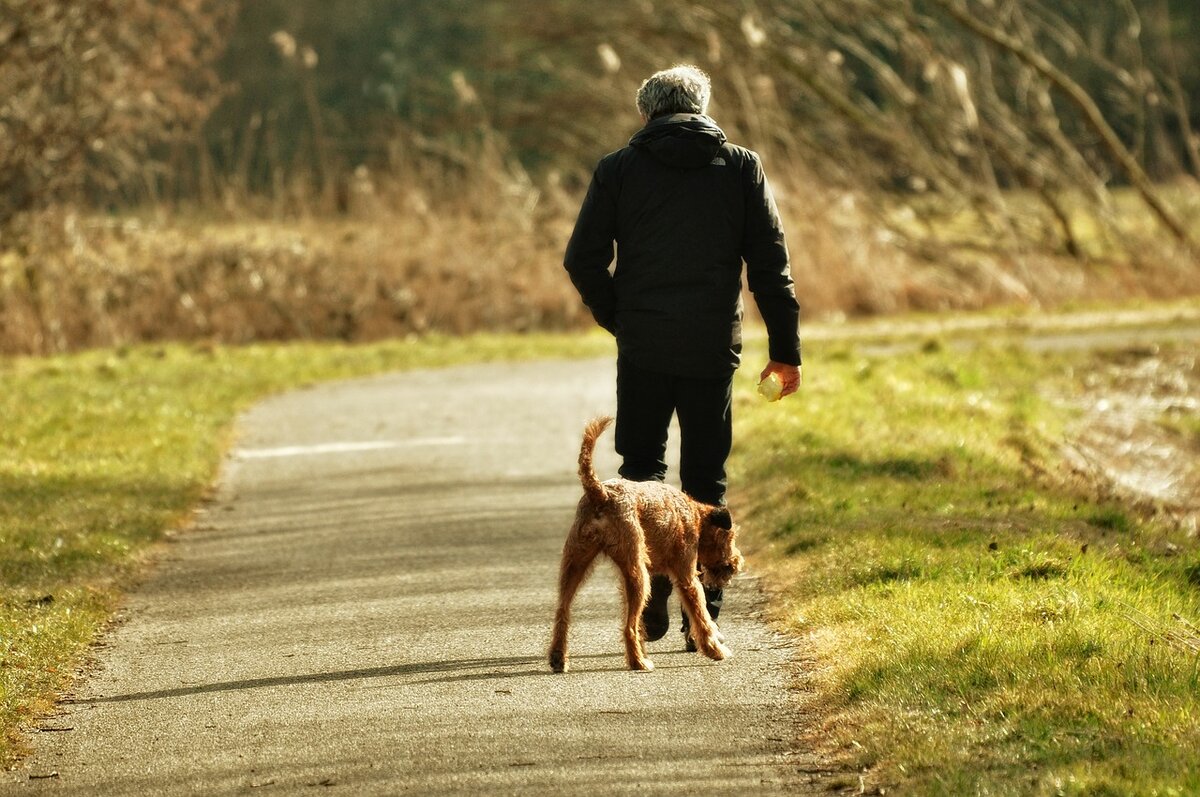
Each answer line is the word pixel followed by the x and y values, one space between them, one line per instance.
pixel 646 400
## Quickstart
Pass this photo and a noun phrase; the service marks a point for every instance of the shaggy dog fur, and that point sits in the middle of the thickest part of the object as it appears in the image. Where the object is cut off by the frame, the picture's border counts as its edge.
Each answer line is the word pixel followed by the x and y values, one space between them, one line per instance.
pixel 644 527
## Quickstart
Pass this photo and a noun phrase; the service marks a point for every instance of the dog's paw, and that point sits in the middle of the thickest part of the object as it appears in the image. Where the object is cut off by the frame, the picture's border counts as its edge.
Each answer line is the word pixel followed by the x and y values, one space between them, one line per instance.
pixel 717 652
pixel 645 665
pixel 558 662
pixel 716 637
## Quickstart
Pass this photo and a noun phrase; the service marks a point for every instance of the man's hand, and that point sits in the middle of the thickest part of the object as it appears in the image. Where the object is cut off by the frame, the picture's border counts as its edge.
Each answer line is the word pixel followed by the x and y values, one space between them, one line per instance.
pixel 789 376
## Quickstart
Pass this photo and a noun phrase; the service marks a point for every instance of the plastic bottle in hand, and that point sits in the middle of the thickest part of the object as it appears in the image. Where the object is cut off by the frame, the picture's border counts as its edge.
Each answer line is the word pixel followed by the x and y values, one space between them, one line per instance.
pixel 771 388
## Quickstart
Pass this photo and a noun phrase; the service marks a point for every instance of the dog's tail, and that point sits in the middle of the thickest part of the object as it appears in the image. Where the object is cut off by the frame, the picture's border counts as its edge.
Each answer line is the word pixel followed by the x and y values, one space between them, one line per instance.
pixel 591 485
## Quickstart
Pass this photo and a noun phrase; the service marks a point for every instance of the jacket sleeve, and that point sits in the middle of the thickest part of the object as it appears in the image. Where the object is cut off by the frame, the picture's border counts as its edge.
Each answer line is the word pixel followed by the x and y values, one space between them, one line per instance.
pixel 767 266
pixel 590 251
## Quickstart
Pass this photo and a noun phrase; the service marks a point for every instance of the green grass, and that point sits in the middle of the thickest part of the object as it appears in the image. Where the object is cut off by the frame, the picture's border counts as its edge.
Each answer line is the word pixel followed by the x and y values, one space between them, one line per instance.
pixel 102 452
pixel 980 625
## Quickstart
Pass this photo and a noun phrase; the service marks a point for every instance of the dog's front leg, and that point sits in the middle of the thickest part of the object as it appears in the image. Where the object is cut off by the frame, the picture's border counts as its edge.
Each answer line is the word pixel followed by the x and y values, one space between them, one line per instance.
pixel 703 629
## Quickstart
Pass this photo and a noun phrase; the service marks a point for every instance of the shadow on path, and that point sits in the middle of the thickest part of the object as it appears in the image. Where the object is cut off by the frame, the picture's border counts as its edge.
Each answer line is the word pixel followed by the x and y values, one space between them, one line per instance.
pixel 415 668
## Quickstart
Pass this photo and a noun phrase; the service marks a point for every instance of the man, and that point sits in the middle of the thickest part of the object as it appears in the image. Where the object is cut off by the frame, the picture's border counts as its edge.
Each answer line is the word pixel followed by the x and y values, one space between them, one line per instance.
pixel 684 208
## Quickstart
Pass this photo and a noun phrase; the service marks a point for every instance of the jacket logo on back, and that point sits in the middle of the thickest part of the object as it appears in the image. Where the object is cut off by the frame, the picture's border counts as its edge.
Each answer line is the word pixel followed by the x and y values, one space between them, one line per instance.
pixel 717 161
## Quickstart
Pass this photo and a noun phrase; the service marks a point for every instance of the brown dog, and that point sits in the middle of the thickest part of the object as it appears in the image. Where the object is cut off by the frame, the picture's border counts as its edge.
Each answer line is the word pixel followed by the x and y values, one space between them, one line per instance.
pixel 644 527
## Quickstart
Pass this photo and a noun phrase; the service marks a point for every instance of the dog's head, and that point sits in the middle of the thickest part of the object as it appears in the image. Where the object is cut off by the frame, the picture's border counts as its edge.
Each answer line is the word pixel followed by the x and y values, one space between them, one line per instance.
pixel 718 555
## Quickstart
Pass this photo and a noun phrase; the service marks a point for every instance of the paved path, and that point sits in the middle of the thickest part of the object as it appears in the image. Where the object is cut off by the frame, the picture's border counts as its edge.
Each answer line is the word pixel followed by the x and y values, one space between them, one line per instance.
pixel 364 609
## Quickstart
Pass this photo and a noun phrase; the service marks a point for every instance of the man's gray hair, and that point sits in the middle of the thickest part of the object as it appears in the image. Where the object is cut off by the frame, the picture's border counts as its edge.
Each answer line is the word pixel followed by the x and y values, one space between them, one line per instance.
pixel 680 89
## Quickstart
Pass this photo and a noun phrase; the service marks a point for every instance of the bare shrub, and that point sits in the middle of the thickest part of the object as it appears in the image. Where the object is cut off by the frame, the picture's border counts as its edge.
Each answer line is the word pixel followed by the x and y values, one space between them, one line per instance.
pixel 89 87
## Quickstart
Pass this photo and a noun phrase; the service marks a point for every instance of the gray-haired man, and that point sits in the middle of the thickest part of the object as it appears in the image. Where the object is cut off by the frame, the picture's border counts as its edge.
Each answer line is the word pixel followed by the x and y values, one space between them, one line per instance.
pixel 684 208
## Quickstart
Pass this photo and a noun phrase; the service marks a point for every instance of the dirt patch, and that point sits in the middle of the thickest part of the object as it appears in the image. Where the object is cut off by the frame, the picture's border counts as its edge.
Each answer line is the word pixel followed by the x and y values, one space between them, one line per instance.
pixel 1134 437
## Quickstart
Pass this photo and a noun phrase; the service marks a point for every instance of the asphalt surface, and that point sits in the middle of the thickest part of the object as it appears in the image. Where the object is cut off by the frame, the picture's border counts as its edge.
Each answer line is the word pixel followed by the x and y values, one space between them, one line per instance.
pixel 364 608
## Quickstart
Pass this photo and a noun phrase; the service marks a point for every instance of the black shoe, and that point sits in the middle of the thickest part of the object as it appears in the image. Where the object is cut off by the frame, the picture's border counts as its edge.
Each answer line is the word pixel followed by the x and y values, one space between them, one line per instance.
pixel 655 620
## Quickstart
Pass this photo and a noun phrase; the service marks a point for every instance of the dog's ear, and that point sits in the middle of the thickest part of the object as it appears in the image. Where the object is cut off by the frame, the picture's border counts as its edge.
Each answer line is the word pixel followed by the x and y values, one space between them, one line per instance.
pixel 721 518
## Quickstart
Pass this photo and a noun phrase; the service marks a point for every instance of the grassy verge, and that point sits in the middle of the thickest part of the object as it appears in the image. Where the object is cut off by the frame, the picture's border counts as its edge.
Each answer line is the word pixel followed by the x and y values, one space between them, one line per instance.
pixel 101 452
pixel 981 625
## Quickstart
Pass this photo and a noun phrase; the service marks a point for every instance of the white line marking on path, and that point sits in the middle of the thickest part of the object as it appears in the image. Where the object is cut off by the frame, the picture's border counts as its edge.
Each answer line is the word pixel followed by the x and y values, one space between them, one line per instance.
pixel 343 448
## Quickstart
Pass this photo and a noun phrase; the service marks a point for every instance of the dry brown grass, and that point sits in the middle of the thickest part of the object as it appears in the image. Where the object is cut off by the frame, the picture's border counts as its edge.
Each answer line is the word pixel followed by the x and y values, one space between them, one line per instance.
pixel 94 281
pixel 845 260
pixel 401 262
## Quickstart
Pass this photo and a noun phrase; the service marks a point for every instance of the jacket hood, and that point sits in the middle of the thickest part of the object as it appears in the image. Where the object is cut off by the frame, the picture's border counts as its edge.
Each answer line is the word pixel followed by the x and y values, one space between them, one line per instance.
pixel 681 141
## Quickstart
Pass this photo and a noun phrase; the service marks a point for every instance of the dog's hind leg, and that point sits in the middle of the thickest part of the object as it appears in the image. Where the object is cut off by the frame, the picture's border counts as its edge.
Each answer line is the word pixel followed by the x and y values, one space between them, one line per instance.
pixel 576 563
pixel 703 629
pixel 636 581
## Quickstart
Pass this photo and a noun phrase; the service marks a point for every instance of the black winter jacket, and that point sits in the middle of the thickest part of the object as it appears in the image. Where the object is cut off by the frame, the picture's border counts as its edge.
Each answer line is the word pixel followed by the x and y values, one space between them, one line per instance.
pixel 684 208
